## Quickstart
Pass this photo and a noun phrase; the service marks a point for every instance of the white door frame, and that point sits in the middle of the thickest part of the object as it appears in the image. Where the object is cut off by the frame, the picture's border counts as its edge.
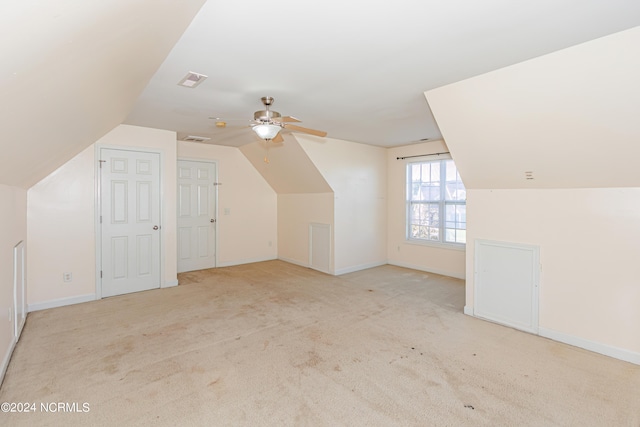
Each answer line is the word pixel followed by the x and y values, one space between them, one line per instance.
pixel 215 198
pixel 19 289
pixel 98 209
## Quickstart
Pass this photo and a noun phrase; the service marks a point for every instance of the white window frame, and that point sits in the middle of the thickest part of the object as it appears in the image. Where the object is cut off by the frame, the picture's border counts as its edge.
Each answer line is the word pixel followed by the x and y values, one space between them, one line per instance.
pixel 442 203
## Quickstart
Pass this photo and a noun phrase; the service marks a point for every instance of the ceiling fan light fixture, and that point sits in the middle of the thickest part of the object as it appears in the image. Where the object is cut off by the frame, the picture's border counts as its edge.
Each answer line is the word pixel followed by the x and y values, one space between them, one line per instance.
pixel 266 131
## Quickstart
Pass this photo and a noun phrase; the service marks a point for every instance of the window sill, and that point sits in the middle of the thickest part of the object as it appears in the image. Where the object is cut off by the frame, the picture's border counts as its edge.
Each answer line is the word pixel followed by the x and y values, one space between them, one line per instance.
pixel 450 246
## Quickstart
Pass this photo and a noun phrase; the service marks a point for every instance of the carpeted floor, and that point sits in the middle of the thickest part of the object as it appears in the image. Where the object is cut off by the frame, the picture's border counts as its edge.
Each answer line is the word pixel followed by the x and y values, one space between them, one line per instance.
pixel 274 344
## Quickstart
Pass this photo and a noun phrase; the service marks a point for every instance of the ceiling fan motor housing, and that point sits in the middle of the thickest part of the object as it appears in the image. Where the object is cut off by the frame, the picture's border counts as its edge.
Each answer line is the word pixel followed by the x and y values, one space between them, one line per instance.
pixel 265 115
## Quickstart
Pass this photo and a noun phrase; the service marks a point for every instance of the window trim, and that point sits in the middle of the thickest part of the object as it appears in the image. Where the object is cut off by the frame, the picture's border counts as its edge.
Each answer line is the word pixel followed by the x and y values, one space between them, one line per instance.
pixel 442 206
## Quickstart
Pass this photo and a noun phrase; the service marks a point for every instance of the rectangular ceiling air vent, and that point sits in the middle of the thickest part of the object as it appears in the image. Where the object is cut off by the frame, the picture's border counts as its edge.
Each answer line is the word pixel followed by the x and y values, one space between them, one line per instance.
pixel 193 138
pixel 192 80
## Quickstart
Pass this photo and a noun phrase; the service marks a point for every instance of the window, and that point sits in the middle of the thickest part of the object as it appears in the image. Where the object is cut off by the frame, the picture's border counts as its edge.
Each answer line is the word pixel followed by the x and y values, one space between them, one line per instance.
pixel 436 203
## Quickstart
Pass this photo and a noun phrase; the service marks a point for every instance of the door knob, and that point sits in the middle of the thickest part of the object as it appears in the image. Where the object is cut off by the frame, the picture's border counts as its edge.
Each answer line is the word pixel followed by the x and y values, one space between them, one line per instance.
pixel 155 227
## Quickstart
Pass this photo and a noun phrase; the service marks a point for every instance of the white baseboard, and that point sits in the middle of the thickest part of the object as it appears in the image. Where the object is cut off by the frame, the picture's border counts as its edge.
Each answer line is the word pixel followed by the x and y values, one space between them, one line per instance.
pixel 60 302
pixel 170 283
pixel 596 347
pixel 338 272
pixel 377 264
pixel 6 359
pixel 359 267
pixel 245 261
pixel 302 264
pixel 295 262
pixel 427 269
pixel 607 350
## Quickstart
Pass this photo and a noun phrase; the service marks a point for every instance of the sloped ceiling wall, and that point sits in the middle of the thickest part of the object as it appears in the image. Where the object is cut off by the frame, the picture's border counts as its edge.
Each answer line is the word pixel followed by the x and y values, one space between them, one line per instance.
pixel 71 71
pixel 571 118
pixel 289 169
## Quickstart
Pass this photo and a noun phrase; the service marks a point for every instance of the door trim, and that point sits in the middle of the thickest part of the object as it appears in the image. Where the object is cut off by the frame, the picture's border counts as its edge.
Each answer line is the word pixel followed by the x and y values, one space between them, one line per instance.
pixel 98 208
pixel 19 288
pixel 215 198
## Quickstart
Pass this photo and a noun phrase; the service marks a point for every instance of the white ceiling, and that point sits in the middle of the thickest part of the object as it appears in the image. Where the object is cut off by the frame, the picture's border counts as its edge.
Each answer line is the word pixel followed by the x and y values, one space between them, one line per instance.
pixel 357 70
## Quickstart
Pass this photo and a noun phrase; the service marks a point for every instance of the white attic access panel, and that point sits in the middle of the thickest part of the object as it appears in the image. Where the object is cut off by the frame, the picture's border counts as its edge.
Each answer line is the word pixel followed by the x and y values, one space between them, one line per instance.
pixel 506 284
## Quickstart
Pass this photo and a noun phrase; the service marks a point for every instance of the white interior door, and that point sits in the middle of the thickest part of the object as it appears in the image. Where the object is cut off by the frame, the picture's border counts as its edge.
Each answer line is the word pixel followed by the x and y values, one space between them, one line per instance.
pixel 196 215
pixel 506 284
pixel 130 221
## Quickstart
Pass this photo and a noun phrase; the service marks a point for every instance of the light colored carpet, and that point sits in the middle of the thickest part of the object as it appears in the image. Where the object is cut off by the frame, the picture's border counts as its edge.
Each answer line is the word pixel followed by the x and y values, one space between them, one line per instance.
pixel 274 344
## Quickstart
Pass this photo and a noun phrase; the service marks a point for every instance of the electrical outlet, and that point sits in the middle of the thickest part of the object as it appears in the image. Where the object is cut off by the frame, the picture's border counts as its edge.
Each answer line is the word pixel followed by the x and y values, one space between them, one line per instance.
pixel 67 277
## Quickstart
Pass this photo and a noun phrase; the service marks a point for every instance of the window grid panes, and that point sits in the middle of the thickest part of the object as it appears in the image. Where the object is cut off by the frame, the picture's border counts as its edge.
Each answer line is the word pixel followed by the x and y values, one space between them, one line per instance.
pixel 436 202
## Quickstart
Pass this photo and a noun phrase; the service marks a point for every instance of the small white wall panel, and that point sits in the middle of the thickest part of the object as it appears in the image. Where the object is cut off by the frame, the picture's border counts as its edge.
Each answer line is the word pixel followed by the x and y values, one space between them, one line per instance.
pixel 506 284
pixel 320 247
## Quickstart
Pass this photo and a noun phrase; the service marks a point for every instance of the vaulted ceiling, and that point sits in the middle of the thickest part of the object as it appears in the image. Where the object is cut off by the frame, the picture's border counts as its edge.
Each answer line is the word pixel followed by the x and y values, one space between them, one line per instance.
pixel 72 70
pixel 357 70
pixel 569 119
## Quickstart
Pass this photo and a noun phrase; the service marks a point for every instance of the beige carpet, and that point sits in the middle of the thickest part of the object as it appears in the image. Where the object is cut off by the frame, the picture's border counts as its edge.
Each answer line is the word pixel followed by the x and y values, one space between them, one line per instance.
pixel 273 344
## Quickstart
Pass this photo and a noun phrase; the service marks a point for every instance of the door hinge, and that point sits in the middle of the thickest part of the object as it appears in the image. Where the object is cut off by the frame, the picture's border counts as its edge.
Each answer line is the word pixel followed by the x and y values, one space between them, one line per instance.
pixel 100 219
pixel 101 274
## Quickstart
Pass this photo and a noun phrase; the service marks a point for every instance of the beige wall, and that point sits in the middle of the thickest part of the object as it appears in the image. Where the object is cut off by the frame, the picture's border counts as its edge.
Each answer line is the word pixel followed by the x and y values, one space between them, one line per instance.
pixel 450 262
pixel 570 118
pixel 289 169
pixel 295 213
pixel 13 229
pixel 357 173
pixel 61 234
pixel 562 116
pixel 61 211
pixel 61 221
pixel 589 252
pixel 249 232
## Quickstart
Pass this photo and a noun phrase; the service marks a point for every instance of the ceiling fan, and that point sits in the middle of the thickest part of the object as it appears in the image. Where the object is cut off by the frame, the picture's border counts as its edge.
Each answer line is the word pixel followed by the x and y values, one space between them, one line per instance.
pixel 268 124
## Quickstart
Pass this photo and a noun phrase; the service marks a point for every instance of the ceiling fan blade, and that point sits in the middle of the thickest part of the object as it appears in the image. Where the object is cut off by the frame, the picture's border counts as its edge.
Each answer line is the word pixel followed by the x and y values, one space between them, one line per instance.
pixel 278 138
pixel 305 130
pixel 287 119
